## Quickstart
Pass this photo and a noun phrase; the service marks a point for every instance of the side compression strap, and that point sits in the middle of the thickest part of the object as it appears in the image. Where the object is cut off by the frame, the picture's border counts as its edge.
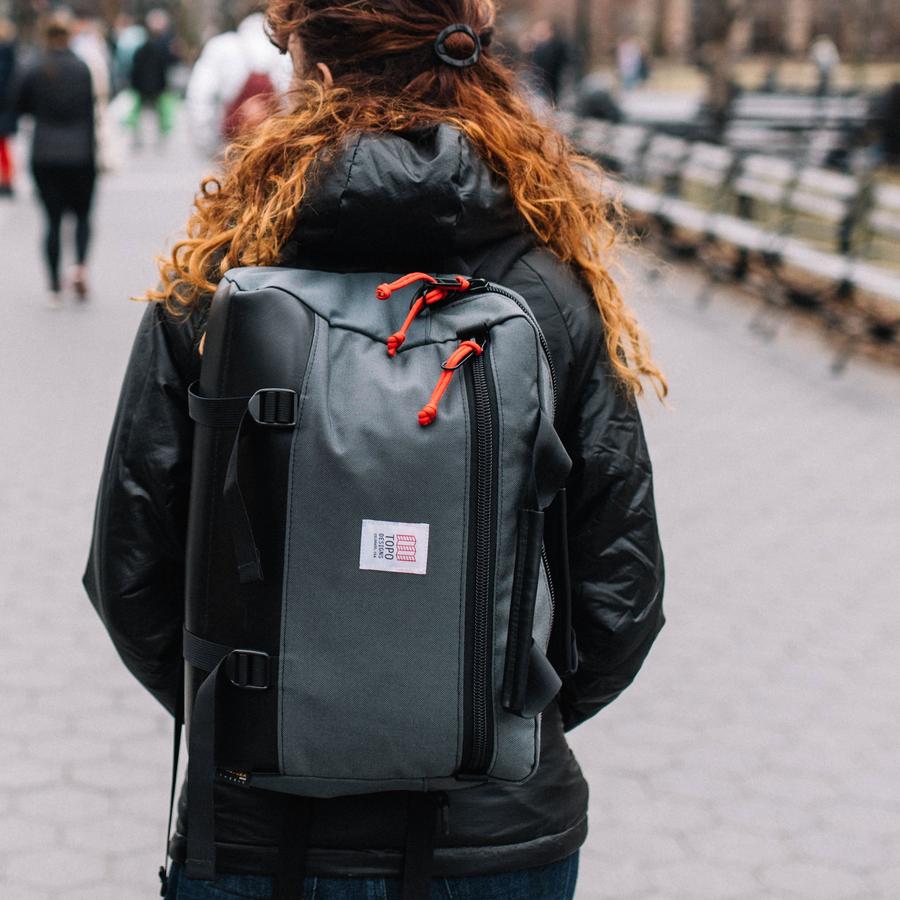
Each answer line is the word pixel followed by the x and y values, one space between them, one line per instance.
pixel 244 668
pixel 201 839
pixel 245 550
pixel 268 407
pixel 225 412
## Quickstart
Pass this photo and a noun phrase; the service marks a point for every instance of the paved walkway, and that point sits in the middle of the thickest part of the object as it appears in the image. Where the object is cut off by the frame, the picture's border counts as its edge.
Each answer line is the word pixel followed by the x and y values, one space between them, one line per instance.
pixel 756 757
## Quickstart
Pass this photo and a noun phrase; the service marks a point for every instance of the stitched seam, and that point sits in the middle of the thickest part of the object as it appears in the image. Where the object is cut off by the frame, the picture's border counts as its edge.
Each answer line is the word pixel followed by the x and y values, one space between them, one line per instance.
pixel 313 350
pixel 501 497
pixel 345 188
pixel 556 303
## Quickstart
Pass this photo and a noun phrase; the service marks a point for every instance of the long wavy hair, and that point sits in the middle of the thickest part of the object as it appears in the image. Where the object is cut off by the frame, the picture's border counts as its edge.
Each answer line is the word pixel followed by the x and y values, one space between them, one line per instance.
pixel 387 78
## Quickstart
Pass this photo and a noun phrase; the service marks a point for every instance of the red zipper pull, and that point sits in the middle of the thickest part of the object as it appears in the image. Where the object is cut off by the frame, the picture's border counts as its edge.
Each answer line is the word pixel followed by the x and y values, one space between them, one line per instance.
pixel 395 341
pixel 384 291
pixel 444 287
pixel 465 350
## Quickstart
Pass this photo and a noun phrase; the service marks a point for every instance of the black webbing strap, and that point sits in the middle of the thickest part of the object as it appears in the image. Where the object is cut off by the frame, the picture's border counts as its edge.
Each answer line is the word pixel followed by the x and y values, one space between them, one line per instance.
pixel 223 412
pixel 177 725
pixel 503 255
pixel 292 847
pixel 418 860
pixel 245 550
pixel 201 838
pixel 268 407
pixel 202 654
pixel 244 668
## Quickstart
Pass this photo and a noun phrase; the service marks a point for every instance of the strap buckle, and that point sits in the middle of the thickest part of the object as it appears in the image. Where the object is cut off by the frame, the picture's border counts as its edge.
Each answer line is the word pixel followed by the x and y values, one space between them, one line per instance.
pixel 274 407
pixel 248 669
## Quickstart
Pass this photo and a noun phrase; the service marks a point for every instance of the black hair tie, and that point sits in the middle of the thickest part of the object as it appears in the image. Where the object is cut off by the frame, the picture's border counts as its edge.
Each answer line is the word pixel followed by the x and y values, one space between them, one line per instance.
pixel 440 47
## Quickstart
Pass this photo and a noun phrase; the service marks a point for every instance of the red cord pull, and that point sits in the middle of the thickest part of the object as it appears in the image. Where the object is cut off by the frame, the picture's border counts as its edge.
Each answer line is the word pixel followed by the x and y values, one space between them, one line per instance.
pixel 395 341
pixel 384 291
pixel 466 349
pixel 427 297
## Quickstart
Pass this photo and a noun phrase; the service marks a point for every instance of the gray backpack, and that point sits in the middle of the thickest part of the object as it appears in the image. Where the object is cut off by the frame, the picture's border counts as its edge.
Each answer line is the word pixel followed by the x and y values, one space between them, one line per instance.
pixel 369 600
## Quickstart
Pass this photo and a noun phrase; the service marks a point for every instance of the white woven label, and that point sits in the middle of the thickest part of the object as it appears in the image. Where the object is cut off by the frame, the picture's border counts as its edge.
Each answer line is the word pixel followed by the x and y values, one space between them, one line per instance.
pixel 394 547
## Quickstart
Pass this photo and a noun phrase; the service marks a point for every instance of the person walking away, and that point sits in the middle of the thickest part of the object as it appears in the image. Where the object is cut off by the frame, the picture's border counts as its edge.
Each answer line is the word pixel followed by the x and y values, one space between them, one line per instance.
pixel 234 81
pixel 150 75
pixel 7 115
pixel 57 91
pixel 825 57
pixel 629 62
pixel 128 37
pixel 551 55
pixel 406 148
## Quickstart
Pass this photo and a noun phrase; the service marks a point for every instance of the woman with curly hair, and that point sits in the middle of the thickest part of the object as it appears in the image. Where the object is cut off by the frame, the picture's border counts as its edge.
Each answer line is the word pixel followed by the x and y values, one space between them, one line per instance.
pixel 403 146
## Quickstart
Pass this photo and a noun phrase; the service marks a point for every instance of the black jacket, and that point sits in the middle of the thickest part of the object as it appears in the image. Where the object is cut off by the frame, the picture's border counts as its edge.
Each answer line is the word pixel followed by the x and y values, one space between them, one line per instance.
pixel 7 76
pixel 59 93
pixel 150 68
pixel 422 201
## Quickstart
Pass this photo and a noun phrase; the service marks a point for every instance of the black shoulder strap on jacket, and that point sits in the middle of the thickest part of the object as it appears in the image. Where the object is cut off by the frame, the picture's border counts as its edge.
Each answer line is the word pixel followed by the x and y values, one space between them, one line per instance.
pixel 177 725
pixel 502 256
pixel 418 859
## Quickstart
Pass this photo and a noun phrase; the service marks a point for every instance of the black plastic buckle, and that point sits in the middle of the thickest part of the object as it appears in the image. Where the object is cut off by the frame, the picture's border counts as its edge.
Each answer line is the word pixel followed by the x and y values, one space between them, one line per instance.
pixel 274 407
pixel 451 282
pixel 248 669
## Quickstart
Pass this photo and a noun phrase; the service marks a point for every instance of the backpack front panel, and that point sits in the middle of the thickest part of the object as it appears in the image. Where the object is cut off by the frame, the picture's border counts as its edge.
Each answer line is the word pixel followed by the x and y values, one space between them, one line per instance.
pixel 370 663
pixel 378 685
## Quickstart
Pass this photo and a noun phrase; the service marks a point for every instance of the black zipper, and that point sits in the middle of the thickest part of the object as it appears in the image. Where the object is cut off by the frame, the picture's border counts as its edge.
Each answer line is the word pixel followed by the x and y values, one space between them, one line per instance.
pixel 479 737
pixel 480 286
pixel 546 562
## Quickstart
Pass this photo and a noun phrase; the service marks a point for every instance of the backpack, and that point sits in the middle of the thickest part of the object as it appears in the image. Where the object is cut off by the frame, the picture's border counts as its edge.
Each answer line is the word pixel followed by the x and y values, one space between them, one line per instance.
pixel 369 597
pixel 257 89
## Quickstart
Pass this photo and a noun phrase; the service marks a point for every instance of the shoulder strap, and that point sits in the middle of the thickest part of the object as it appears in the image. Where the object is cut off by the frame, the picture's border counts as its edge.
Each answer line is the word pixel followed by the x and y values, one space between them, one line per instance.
pixel 503 255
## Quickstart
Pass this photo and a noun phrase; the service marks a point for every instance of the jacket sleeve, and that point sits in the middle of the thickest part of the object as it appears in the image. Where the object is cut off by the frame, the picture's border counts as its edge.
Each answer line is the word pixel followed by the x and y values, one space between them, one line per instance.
pixel 21 94
pixel 615 555
pixel 135 571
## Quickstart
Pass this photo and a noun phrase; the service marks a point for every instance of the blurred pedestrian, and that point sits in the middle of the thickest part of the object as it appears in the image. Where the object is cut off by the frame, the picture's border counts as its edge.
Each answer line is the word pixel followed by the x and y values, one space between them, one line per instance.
pixel 150 75
pixel 631 63
pixel 550 56
pixel 234 82
pixel 406 147
pixel 825 57
pixel 58 92
pixel 128 36
pixel 7 114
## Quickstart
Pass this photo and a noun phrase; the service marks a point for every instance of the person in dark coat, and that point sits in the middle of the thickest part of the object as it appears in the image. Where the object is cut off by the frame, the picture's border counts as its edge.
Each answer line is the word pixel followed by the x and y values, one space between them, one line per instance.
pixel 57 91
pixel 419 165
pixel 150 72
pixel 7 114
pixel 550 57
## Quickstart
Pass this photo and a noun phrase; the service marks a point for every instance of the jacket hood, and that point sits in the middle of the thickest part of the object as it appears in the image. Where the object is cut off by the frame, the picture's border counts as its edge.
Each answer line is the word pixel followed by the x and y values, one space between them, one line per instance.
pixel 389 201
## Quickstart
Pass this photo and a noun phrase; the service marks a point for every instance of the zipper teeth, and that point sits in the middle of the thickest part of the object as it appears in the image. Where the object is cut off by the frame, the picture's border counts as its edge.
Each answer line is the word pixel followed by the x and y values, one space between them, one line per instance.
pixel 546 561
pixel 484 518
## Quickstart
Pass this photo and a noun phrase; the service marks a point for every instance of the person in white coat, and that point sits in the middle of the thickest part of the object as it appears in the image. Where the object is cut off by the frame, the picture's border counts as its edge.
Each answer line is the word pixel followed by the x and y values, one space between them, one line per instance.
pixel 221 75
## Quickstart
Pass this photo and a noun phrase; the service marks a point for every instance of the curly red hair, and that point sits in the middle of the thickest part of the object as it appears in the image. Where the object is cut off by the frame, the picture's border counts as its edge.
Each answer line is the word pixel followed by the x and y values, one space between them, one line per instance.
pixel 387 78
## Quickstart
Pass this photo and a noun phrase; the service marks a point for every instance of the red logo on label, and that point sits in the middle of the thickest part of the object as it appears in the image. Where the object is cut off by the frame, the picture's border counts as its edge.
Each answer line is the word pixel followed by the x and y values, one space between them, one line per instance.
pixel 406 547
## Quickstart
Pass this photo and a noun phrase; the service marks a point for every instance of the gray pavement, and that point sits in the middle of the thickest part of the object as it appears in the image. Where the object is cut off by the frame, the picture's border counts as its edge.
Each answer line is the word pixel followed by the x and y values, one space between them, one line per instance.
pixel 755 757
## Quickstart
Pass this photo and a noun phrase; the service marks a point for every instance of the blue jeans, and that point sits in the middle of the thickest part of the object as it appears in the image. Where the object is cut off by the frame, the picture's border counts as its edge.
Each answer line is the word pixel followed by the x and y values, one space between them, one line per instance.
pixel 553 882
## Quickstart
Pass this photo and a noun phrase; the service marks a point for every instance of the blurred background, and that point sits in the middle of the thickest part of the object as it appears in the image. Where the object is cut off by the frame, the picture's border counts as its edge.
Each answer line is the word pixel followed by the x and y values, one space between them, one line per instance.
pixel 752 150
